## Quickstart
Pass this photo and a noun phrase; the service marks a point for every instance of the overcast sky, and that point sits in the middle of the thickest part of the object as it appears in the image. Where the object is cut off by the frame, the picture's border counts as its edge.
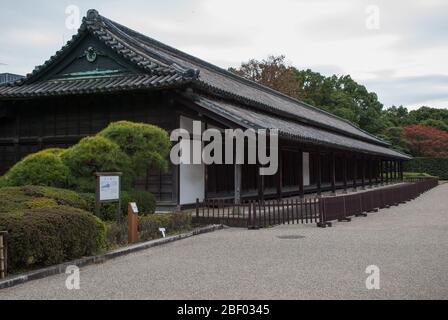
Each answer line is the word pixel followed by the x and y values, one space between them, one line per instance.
pixel 398 49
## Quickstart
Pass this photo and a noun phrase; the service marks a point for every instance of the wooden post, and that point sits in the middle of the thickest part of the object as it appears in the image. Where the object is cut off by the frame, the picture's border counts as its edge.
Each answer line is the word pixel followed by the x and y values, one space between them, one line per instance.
pixel 132 223
pixel 401 171
pixel 301 186
pixel 387 169
pixel 279 176
pixel 355 173
pixel 377 171
pixel 382 171
pixel 333 173
pixel 363 173
pixel 238 170
pixel 319 175
pixel 260 183
pixel 370 172
pixel 344 172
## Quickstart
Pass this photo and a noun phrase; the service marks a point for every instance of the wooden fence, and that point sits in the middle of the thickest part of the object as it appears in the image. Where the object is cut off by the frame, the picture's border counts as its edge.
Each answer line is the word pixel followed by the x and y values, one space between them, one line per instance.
pixel 258 214
pixel 343 208
pixel 322 211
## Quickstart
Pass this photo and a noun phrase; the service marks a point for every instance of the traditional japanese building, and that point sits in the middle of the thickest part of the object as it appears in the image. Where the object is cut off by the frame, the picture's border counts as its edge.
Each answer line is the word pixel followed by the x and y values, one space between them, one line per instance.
pixel 108 72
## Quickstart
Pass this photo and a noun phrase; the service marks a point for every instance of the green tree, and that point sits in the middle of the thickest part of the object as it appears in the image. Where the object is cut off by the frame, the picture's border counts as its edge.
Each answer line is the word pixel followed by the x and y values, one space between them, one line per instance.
pixel 96 154
pixel 147 146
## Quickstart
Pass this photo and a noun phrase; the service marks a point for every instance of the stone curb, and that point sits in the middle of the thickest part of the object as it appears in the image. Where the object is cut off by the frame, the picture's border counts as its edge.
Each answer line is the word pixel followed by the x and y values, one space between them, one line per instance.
pixel 58 269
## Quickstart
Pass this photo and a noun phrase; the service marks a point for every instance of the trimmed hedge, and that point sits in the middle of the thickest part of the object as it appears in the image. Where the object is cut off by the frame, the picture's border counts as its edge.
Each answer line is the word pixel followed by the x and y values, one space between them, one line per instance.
pixel 44 168
pixel 433 166
pixel 16 199
pixel 95 154
pixel 146 145
pixel 47 236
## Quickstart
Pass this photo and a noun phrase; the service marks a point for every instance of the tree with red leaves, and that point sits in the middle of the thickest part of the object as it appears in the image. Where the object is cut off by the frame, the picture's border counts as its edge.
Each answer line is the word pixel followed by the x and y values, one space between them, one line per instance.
pixel 427 141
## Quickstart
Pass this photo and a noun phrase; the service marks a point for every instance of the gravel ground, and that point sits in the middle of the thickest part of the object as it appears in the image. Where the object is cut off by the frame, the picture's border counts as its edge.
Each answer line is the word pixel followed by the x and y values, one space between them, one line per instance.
pixel 408 243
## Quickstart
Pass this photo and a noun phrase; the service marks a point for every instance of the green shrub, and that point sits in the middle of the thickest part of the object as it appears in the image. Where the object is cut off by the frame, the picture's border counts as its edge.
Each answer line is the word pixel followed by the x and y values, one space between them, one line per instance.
pixel 116 234
pixel 146 145
pixel 433 166
pixel 47 236
pixel 44 168
pixel 173 223
pixel 146 203
pixel 149 226
pixel 41 203
pixel 13 199
pixel 95 154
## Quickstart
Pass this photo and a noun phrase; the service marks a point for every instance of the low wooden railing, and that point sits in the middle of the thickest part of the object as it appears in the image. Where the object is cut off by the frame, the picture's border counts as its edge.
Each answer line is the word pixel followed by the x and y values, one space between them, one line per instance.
pixel 3 254
pixel 258 214
pixel 342 208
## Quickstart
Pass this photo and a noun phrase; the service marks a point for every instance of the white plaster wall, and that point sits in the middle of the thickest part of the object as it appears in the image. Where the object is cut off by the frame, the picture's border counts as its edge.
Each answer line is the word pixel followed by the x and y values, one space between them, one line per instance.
pixel 306 169
pixel 192 176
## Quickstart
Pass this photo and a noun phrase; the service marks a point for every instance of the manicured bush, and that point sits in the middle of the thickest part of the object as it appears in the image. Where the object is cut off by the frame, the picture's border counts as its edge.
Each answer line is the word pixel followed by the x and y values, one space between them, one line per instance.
pixel 44 168
pixel 95 154
pixel 146 145
pixel 47 236
pixel 146 201
pixel 13 199
pixel 433 166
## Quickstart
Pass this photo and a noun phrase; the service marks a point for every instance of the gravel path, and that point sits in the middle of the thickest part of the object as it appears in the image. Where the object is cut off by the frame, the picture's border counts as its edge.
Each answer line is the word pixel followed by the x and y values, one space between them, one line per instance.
pixel 408 243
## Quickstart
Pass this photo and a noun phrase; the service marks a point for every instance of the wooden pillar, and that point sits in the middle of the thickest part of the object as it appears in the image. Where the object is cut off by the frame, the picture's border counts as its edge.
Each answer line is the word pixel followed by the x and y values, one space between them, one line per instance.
pixel 260 184
pixel 344 172
pixel 333 173
pixel 238 173
pixel 382 171
pixel 377 171
pixel 387 169
pixel 396 170
pixel 363 173
pixel 279 175
pixel 319 174
pixel 355 172
pixel 301 186
pixel 401 171
pixel 370 170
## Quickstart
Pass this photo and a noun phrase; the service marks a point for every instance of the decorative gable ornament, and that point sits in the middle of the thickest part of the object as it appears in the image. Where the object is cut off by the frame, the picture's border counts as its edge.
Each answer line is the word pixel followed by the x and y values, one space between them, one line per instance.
pixel 91 54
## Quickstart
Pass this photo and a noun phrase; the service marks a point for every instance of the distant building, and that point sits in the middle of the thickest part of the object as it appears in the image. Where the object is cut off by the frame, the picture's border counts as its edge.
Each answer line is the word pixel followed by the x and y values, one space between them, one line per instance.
pixel 9 77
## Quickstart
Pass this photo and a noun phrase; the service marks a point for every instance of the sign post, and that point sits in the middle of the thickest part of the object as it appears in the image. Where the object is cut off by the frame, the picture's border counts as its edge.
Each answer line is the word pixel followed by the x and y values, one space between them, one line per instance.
pixel 132 223
pixel 108 189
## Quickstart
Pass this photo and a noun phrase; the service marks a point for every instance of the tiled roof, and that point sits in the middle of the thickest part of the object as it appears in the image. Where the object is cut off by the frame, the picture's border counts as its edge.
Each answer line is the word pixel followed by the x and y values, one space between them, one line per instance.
pixel 91 85
pixel 163 66
pixel 301 132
